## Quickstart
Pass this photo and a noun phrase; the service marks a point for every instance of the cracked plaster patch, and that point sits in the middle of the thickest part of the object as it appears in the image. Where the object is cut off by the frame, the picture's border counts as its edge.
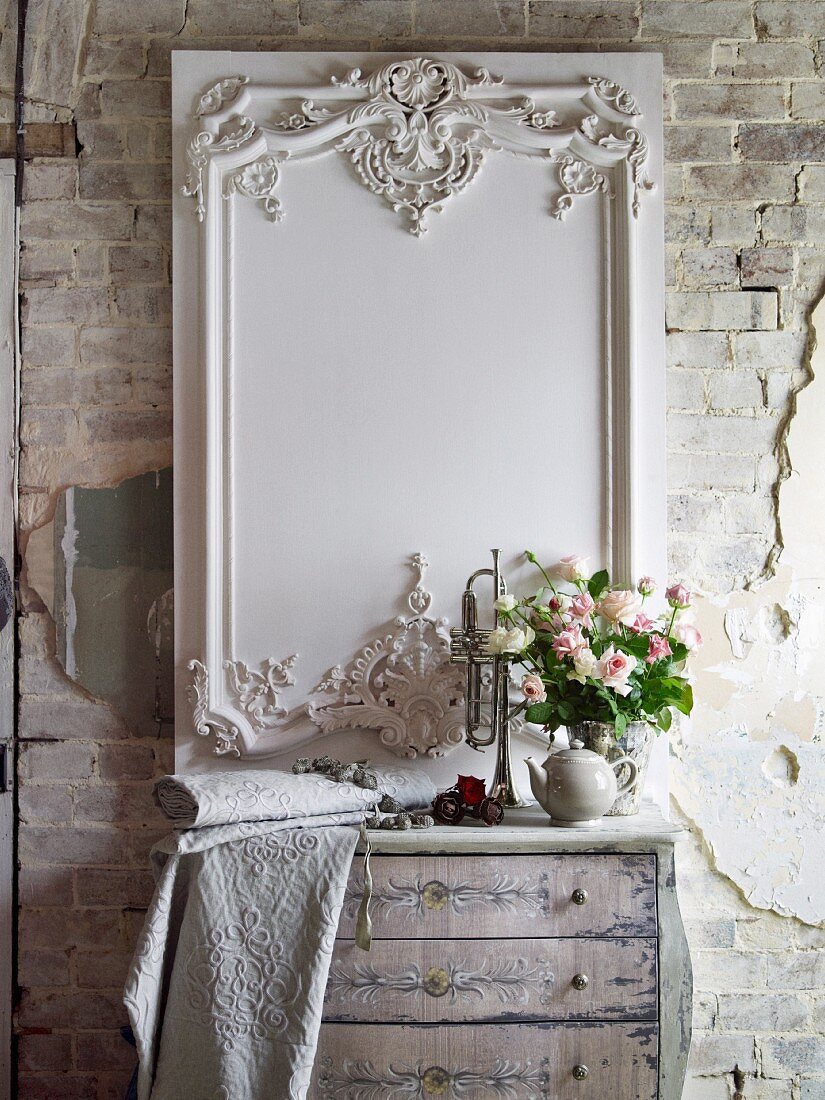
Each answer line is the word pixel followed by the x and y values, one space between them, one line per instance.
pixel 748 768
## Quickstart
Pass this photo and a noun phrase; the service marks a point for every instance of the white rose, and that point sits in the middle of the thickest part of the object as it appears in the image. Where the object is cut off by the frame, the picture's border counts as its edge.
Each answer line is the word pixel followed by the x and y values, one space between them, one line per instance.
pixel 571 568
pixel 583 665
pixel 506 603
pixel 620 606
pixel 497 642
pixel 688 634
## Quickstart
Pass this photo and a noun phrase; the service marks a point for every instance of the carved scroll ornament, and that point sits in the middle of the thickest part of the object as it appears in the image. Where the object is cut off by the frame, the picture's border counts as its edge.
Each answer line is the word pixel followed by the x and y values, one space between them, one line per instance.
pixel 416 132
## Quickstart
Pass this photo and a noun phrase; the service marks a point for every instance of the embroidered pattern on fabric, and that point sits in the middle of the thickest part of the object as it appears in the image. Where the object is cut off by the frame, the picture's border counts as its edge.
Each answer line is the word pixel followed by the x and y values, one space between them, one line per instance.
pixel 260 851
pixel 240 986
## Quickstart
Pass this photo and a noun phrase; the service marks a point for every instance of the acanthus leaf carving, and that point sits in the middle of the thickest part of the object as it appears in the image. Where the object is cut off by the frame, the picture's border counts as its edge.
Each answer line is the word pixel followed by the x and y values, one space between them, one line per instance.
pixel 402 685
pixel 419 136
pixel 257 692
pixel 576 178
pixel 223 92
pixel 614 95
pixel 258 180
pixel 198 151
pixel 206 724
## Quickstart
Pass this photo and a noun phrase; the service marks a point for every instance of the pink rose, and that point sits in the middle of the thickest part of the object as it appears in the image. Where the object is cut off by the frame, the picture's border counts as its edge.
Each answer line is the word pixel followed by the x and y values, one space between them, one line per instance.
pixel 581 607
pixel 657 647
pixel 646 586
pixel 642 624
pixel 688 635
pixel 620 606
pixel 678 596
pixel 613 668
pixel 532 688
pixel 569 642
pixel 570 568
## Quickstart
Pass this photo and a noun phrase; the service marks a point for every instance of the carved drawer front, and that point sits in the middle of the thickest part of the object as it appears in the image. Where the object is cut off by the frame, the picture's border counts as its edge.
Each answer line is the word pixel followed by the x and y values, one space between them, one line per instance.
pixel 423 897
pixel 487 1062
pixel 453 981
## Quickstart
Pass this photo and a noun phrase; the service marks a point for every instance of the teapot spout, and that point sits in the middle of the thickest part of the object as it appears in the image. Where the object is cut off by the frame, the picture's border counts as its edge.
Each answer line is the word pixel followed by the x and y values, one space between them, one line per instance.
pixel 538 779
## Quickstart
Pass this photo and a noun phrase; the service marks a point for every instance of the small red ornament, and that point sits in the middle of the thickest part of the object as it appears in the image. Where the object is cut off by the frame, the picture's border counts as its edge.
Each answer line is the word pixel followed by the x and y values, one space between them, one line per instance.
pixel 472 790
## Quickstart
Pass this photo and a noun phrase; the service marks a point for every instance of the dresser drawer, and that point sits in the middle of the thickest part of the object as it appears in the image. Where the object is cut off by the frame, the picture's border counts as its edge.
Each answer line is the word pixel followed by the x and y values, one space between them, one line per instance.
pixel 424 897
pixel 459 981
pixel 487 1061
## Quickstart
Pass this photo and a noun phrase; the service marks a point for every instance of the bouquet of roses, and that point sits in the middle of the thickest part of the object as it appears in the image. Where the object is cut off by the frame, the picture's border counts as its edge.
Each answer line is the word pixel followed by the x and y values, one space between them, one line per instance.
pixel 468 793
pixel 592 653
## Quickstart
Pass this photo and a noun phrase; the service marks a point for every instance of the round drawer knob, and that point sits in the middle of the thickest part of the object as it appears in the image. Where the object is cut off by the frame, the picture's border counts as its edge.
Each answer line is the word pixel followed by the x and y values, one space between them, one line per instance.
pixel 580 1072
pixel 579 897
pixel 581 981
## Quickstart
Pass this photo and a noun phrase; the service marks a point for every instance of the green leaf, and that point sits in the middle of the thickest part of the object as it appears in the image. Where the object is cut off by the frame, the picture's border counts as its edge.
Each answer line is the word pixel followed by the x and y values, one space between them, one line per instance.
pixel 598 583
pixel 540 713
pixel 621 725
pixel 664 719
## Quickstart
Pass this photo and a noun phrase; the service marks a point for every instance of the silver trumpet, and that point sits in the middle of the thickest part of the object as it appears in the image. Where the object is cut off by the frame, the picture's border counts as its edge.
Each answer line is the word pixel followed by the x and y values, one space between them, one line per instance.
pixel 469 646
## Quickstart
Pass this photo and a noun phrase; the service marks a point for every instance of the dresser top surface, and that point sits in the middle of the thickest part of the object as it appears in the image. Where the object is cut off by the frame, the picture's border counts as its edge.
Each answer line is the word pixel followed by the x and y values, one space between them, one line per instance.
pixel 530 830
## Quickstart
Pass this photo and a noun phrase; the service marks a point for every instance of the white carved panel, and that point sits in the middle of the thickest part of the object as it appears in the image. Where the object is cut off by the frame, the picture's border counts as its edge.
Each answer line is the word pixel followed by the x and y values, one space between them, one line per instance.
pixel 371 356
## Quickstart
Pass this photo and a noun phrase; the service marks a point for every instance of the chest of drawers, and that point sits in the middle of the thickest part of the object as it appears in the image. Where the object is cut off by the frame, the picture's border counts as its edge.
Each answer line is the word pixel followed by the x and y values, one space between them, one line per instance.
pixel 524 961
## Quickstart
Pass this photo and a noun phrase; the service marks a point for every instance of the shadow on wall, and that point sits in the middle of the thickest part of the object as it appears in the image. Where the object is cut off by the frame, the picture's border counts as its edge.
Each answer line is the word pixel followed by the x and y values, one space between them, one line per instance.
pixel 103 568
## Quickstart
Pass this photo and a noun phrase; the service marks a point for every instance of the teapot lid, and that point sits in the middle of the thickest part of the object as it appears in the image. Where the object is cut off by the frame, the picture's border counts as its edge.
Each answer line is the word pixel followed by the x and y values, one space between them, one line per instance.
pixel 576 751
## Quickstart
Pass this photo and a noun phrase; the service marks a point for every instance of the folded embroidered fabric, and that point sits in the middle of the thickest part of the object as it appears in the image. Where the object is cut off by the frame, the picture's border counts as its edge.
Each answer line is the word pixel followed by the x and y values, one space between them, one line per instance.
pixel 229 798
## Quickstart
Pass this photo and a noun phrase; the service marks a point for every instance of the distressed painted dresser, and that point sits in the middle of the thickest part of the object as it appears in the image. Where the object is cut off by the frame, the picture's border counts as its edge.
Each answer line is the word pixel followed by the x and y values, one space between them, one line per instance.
pixel 521 961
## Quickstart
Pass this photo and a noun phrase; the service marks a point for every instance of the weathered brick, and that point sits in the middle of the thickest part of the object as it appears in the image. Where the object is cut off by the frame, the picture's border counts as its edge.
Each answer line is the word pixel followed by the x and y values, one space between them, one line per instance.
pixel 88 1009
pixel 486 17
pixel 113 140
pixel 769 350
pixel 45 886
pixel 764 60
pixel 56 180
pixel 718 1054
pixel 800 970
pixel 721 434
pixel 722 310
pixel 143 263
pixel 104 1048
pixel 790 18
pixel 106 346
pixel 685 223
pixel 56 761
pixel 116 426
pixel 139 99
pixel 86 721
pixel 710 932
pixel 49 347
pixel 101 968
pixel 702 144
pixel 808 100
pixel 686 390
pixel 751 514
pixel 43 968
pixel 76 221
pixel 733 224
pixel 747 181
pixel 812 182
pixel 131 803
pixel 689 512
pixel 781 143
pixel 720 473
pixel 783 1057
pixel 156 17
pixel 107 58
pixel 739 101
pixel 64 927
pixel 372 17
pixel 63 1086
pixel 767 267
pixel 143 305
pixel 47 427
pixel 736 389
pixel 125 180
pixel 704 267
pixel 697 349
pixel 73 387
pixel 793 223
pixel 47 262
pixel 113 887
pixel 61 306
pixel 45 1052
pixel 126 761
pixel 723 18
pixel 582 20
pixel 69 846
pixel 51 805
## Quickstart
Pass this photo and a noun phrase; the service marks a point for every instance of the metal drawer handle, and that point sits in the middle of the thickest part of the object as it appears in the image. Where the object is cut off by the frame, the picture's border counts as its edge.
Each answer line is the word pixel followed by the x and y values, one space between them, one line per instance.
pixel 580 1072
pixel 581 981
pixel 579 897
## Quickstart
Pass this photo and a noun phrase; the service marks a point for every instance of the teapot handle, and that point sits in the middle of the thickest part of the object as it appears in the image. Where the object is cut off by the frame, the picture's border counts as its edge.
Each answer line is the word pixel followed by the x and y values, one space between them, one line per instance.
pixel 634 773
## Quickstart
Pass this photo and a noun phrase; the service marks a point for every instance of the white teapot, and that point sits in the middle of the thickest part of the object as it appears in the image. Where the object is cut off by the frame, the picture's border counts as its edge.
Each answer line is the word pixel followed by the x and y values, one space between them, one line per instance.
pixel 576 786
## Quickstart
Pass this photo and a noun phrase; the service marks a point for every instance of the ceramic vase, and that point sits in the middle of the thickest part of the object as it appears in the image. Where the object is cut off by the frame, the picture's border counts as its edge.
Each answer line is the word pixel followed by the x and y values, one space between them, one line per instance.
pixel 637 743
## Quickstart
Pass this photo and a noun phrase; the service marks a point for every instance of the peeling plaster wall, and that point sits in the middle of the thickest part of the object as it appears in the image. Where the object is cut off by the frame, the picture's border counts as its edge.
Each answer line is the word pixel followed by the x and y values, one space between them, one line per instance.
pixel 745 145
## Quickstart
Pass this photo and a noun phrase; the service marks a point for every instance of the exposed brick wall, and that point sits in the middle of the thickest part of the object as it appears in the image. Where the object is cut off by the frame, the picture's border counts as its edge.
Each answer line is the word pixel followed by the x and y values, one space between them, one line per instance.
pixel 745 186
